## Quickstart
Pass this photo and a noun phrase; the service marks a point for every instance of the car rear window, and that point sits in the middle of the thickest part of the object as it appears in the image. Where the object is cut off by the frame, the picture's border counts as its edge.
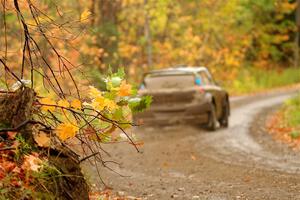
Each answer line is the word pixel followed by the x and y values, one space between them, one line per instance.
pixel 169 81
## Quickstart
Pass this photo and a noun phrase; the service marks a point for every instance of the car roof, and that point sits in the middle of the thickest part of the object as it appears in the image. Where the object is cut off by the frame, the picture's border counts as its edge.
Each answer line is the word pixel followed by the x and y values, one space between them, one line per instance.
pixel 187 69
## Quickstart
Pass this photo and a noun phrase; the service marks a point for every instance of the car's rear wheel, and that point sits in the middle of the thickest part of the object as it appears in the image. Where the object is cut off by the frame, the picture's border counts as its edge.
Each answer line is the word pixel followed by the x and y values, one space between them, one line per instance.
pixel 212 119
pixel 224 121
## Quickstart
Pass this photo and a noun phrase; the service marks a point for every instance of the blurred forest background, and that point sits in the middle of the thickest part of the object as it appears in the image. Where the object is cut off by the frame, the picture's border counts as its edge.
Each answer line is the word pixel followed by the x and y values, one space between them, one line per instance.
pixel 247 44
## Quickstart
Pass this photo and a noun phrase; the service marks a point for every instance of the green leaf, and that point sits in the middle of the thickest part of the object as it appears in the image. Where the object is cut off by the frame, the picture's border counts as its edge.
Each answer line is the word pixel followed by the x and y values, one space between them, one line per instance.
pixel 125 125
pixel 118 114
pixel 123 102
pixel 140 104
pixel 121 73
pixel 116 81
pixel 102 84
pixel 110 95
pixel 100 124
pixel 134 91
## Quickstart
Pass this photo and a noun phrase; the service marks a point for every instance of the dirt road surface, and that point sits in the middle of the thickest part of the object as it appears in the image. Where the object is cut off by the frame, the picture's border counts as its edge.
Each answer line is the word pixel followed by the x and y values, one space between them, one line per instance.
pixel 187 162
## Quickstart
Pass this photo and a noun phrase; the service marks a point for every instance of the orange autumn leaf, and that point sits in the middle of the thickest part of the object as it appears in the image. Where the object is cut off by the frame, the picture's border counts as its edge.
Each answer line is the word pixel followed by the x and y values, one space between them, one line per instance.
pixel 66 130
pixel 63 103
pixel 11 134
pixel 7 166
pixel 49 104
pixel 76 104
pixel 85 15
pixel 125 89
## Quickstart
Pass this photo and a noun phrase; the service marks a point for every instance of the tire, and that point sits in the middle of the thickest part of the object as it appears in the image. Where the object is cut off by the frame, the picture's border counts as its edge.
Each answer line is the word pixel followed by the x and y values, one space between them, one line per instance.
pixel 224 121
pixel 212 119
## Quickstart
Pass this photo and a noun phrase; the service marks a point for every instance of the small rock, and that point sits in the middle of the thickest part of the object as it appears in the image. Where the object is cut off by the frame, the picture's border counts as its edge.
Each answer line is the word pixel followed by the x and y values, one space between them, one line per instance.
pixel 120 193
pixel 181 189
pixel 174 196
pixel 131 198
pixel 195 197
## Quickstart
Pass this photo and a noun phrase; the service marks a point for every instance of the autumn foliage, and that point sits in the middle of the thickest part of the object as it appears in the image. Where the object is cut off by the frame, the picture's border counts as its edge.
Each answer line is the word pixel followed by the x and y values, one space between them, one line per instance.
pixel 226 36
pixel 142 35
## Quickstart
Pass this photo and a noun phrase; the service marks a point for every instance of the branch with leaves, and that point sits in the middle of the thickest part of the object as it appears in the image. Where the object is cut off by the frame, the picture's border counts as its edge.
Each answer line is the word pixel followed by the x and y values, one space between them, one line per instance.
pixel 63 115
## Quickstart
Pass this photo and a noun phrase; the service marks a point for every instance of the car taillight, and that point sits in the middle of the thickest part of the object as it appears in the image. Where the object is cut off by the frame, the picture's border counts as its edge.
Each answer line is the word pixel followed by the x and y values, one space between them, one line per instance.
pixel 198 83
pixel 201 90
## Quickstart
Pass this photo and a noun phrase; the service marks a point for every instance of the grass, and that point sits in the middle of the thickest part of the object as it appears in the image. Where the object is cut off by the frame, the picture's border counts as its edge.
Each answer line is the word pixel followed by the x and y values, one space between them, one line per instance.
pixel 254 80
pixel 292 112
pixel 284 125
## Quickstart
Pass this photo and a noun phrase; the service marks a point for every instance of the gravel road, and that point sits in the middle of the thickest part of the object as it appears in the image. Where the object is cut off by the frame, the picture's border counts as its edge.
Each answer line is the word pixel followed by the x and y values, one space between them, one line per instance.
pixel 187 162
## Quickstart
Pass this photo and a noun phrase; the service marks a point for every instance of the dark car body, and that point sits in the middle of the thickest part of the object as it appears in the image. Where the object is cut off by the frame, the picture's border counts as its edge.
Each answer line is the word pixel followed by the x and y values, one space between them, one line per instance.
pixel 185 94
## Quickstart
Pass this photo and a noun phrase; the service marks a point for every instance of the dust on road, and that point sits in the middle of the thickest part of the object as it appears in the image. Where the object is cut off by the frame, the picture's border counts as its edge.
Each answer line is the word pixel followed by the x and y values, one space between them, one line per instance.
pixel 187 162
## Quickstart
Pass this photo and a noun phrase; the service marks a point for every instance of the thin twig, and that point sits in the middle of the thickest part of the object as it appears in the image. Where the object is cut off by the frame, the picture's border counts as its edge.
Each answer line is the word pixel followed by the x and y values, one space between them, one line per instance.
pixel 89 156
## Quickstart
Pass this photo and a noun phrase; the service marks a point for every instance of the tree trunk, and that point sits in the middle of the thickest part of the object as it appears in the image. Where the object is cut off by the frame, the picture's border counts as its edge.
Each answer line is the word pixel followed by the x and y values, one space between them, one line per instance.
pixel 148 36
pixel 107 26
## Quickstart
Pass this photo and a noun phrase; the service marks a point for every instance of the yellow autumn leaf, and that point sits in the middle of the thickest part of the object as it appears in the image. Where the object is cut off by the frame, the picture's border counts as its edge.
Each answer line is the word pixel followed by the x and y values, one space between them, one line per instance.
pixel 94 92
pixel 76 104
pixel 47 104
pixel 110 105
pixel 42 139
pixel 66 130
pixel 125 89
pixel 84 15
pixel 99 103
pixel 63 103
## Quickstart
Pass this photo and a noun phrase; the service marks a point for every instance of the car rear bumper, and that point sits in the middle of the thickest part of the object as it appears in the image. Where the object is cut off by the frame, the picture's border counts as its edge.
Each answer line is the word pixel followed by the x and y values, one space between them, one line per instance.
pixel 170 114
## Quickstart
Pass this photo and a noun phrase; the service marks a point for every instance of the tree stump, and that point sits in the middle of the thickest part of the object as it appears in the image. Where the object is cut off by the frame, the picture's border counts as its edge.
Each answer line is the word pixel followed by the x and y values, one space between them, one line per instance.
pixel 15 109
